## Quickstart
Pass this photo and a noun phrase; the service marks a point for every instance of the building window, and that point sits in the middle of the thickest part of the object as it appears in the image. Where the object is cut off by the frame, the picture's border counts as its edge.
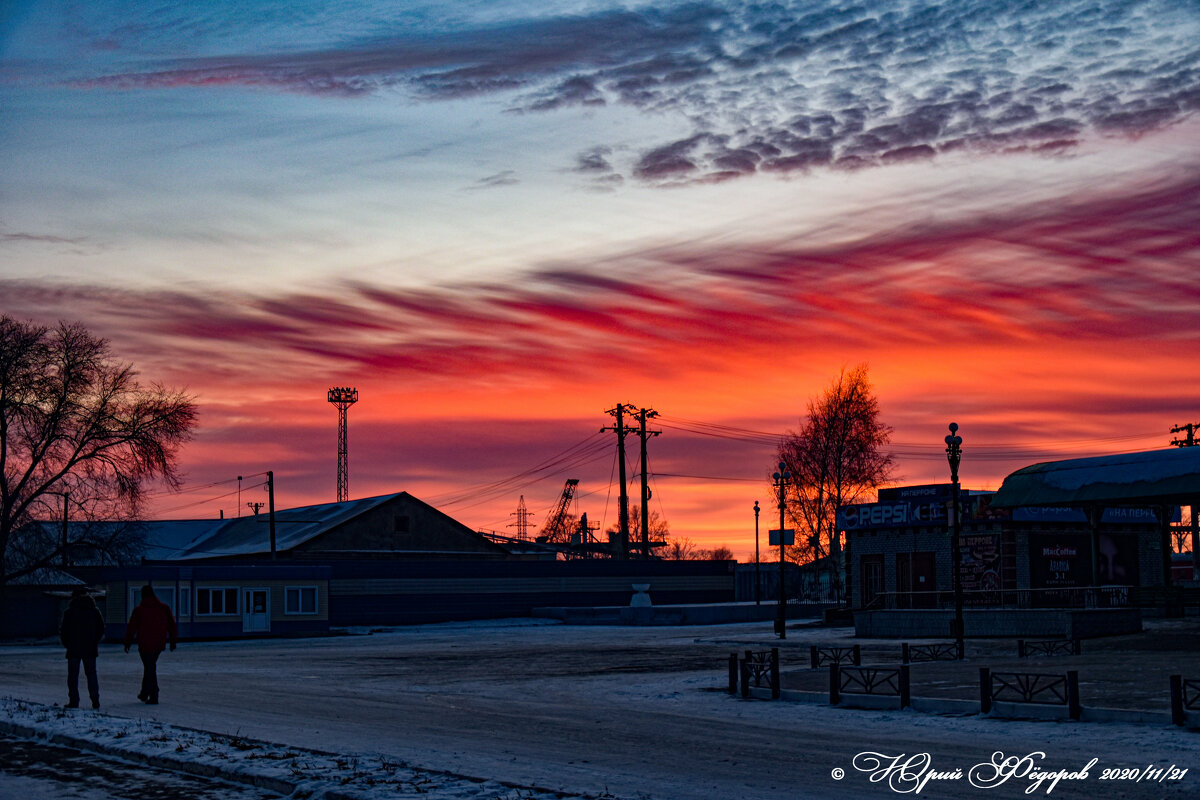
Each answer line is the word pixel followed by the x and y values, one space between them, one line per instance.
pixel 871 567
pixel 210 601
pixel 185 604
pixel 300 600
pixel 165 594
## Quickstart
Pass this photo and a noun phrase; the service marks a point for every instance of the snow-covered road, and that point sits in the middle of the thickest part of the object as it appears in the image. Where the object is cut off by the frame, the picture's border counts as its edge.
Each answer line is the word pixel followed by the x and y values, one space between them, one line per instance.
pixel 625 712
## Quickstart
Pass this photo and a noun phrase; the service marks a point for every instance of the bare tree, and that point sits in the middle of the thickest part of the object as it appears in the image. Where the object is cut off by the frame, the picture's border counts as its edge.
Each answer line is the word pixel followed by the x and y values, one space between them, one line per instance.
pixel 719 553
pixel 680 549
pixel 78 433
pixel 660 531
pixel 835 458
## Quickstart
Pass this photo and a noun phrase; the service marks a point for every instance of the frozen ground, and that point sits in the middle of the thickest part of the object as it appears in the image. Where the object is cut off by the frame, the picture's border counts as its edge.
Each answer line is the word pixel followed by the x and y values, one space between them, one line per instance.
pixel 526 710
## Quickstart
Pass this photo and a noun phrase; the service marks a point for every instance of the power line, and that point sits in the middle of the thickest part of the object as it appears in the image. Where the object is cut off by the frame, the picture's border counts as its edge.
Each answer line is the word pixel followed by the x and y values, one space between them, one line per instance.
pixel 918 450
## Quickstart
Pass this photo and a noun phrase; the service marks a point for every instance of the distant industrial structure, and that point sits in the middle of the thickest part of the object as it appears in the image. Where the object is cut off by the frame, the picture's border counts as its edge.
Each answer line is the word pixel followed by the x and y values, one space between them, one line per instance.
pixel 343 397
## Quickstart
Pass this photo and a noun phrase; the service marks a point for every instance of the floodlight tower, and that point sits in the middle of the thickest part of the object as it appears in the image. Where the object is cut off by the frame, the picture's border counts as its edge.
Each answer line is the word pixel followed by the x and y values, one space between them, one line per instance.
pixel 343 397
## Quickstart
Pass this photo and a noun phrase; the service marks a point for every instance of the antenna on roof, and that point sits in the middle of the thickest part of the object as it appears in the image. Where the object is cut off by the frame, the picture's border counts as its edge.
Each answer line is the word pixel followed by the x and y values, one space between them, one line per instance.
pixel 343 397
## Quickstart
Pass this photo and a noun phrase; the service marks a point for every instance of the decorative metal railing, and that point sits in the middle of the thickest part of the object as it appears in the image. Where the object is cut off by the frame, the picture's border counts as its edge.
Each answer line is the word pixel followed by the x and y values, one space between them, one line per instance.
pixel 1028 648
pixel 869 680
pixel 1029 687
pixel 757 667
pixel 940 651
pixel 1185 697
pixel 1073 597
pixel 820 656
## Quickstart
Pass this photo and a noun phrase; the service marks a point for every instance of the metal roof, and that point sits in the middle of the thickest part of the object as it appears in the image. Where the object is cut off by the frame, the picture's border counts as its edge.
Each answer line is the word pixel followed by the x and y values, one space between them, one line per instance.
pixel 1154 477
pixel 251 535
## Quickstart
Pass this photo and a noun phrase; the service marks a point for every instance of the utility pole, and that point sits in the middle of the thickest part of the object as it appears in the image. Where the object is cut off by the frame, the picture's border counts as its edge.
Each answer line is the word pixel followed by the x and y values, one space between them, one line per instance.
pixel 623 502
pixel 781 478
pixel 757 582
pixel 642 415
pixel 253 506
pixel 954 458
pixel 271 508
pixel 1190 429
pixel 1190 441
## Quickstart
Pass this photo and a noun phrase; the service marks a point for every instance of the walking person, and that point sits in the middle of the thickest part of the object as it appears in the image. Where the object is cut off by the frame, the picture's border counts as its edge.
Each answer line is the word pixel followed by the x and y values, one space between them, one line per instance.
pixel 81 631
pixel 153 626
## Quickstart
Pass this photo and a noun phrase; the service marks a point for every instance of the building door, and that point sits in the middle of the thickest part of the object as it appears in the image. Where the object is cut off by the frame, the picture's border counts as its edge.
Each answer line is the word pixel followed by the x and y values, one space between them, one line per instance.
pixel 872 578
pixel 256 611
pixel 904 580
pixel 924 580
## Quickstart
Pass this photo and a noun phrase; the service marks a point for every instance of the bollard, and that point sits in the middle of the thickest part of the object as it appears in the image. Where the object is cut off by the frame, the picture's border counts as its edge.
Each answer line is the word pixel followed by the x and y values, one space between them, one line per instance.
pixel 813 657
pixel 904 659
pixel 985 690
pixel 775 673
pixel 1073 708
pixel 1020 648
pixel 835 695
pixel 746 675
pixel 905 694
pixel 1077 648
pixel 733 673
pixel 1178 713
pixel 857 656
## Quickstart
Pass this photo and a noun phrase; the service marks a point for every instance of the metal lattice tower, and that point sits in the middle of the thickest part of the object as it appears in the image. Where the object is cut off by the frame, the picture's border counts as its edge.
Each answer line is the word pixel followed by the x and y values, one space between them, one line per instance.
pixel 343 397
pixel 522 524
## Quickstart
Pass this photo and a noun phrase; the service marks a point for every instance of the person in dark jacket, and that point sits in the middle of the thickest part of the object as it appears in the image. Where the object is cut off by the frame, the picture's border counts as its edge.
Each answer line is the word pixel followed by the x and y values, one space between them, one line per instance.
pixel 152 625
pixel 81 631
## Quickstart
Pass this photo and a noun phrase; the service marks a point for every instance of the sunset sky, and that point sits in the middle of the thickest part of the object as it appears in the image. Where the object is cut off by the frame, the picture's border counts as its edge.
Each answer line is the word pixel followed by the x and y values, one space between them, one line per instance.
pixel 499 219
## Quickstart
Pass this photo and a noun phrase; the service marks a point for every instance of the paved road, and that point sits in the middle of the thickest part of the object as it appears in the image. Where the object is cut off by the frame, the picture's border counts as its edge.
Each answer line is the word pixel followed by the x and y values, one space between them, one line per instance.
pixel 634 712
pixel 40 771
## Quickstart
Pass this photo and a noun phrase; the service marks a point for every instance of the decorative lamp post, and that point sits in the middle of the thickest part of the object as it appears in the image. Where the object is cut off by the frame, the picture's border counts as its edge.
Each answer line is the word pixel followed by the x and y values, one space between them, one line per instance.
pixel 757 582
pixel 954 456
pixel 781 478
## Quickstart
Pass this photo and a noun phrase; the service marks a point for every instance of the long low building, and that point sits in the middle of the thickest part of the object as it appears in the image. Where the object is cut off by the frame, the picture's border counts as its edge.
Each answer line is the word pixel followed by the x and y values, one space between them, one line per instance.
pixel 281 598
pixel 388 560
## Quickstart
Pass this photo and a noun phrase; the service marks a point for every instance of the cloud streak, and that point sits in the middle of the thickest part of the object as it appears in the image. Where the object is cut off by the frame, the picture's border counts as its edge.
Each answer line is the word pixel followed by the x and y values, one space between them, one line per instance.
pixel 1083 272
pixel 782 87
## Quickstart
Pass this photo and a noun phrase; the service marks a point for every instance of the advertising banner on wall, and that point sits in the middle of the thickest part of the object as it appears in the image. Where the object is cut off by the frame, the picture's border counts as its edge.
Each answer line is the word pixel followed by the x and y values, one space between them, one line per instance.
pixel 1064 560
pixel 980 562
pixel 1060 560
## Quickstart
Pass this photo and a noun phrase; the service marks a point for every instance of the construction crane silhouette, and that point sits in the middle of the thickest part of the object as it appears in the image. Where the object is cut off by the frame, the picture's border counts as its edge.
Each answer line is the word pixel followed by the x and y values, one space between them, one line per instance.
pixel 556 530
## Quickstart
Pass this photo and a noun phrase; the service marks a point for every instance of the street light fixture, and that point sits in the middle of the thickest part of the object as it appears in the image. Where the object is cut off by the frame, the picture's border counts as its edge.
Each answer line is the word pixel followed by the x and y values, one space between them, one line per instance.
pixel 954 456
pixel 757 582
pixel 781 478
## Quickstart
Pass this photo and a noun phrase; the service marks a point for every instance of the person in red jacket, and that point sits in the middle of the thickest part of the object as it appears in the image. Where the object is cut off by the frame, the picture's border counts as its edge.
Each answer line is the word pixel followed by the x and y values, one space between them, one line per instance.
pixel 152 625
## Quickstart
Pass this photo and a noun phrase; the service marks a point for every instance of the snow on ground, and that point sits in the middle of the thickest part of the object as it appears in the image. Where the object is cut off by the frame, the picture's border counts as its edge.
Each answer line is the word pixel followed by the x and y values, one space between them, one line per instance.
pixel 517 710
pixel 287 770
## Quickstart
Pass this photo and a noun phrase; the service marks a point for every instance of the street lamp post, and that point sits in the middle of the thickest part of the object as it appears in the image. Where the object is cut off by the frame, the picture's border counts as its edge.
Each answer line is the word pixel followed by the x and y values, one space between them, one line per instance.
pixel 954 456
pixel 757 582
pixel 781 478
